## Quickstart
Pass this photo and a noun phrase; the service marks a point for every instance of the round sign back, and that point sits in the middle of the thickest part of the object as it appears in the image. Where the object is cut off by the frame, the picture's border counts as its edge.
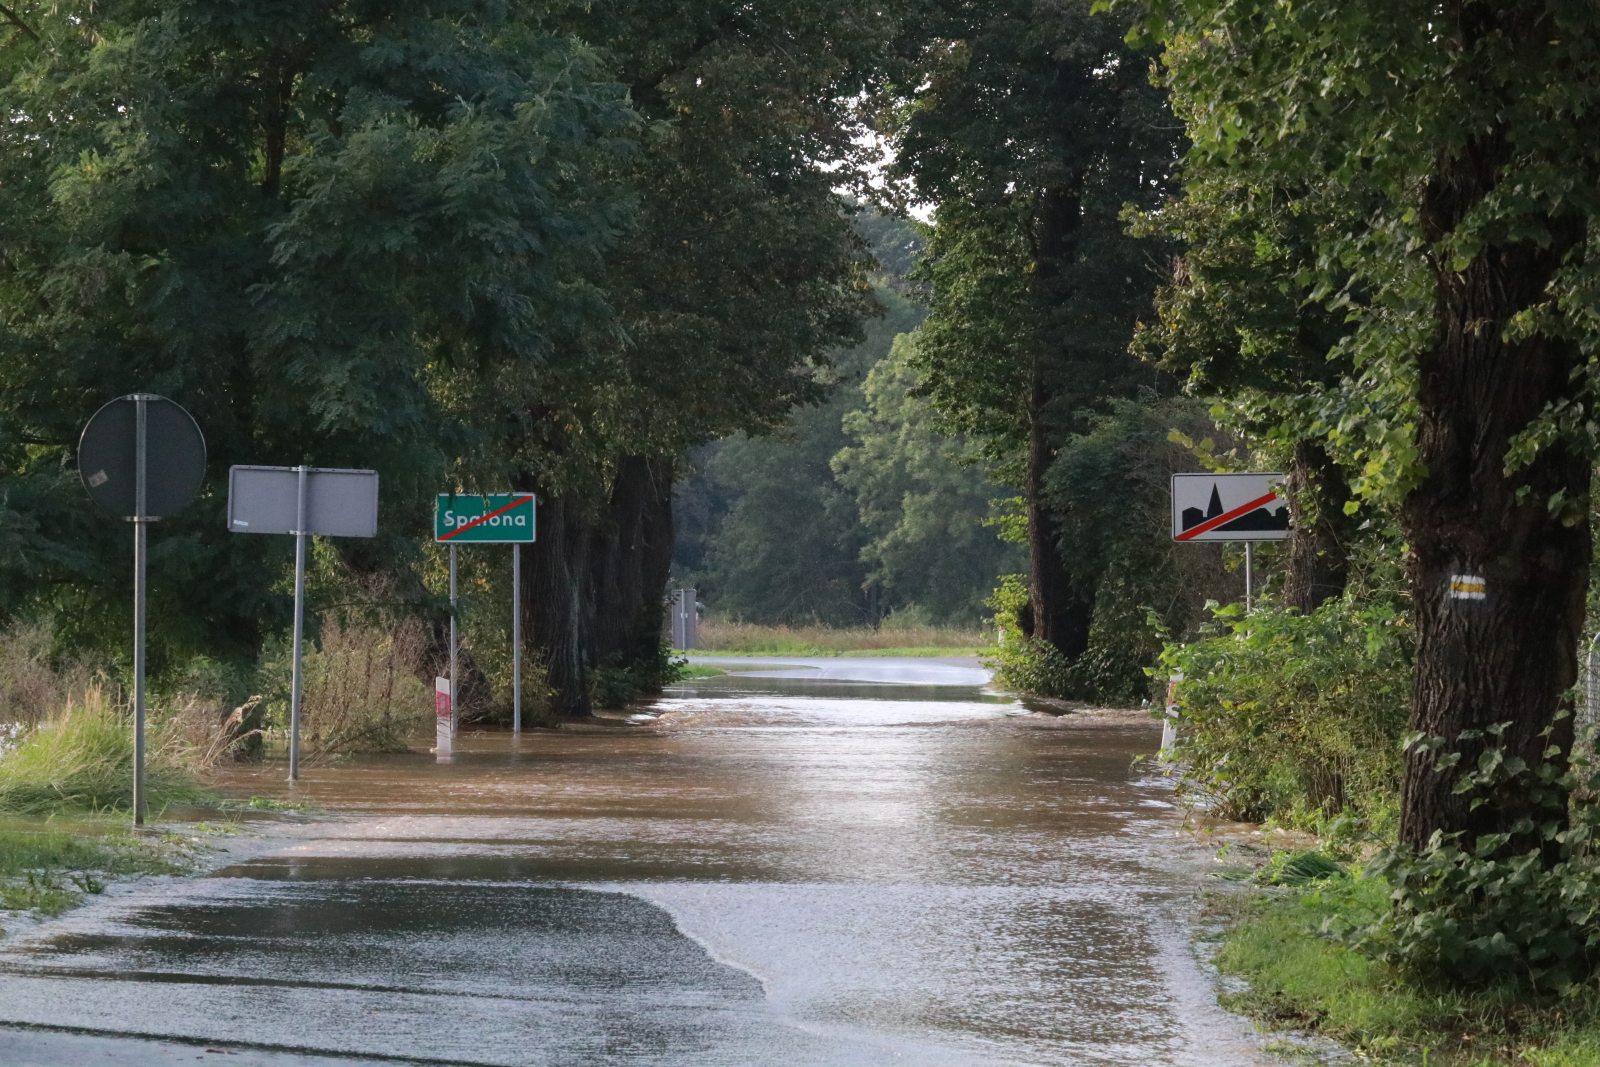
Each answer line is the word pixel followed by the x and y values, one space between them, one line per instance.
pixel 175 457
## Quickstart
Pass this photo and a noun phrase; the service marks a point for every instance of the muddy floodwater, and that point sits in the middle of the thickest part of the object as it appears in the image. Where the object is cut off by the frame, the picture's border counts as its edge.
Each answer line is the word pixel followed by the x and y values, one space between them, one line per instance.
pixel 823 863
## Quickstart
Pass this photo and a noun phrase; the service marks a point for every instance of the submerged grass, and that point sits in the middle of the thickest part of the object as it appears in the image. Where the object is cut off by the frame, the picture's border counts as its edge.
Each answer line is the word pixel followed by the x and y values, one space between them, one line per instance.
pixel 688 672
pixel 1301 978
pixel 82 760
pixel 749 639
pixel 46 870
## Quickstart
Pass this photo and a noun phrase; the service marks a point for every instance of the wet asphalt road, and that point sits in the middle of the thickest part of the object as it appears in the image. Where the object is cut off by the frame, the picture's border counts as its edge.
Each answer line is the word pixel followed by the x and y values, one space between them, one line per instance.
pixel 834 863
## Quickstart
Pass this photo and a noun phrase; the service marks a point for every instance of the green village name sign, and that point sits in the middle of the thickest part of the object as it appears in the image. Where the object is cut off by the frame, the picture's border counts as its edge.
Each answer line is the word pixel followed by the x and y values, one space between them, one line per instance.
pixel 484 518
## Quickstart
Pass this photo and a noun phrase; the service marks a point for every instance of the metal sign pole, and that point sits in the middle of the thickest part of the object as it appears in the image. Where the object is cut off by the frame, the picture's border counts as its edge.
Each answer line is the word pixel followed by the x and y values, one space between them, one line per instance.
pixel 516 640
pixel 454 706
pixel 141 523
pixel 296 679
pixel 1249 575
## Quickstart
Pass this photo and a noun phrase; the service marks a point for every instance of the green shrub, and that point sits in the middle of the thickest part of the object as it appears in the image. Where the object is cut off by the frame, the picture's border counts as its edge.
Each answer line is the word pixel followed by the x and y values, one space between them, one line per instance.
pixel 615 685
pixel 1295 717
pixel 1022 664
pixel 361 690
pixel 1522 905
pixel 1112 669
pixel 82 760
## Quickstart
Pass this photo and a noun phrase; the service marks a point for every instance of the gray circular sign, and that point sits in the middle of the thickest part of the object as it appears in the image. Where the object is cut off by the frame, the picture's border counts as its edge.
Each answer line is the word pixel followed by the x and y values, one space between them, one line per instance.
pixel 175 457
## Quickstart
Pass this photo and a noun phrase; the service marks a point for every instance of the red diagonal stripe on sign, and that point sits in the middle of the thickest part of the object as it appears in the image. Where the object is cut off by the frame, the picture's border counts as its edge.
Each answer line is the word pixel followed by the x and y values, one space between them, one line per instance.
pixel 481 519
pixel 1226 517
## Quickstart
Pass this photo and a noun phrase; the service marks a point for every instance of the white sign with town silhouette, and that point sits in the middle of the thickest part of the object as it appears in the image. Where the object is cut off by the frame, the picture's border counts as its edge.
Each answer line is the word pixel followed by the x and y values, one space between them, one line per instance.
pixel 1229 507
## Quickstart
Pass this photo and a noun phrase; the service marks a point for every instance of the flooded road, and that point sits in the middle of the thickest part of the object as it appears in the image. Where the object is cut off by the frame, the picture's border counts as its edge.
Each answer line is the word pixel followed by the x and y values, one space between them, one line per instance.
pixel 813 866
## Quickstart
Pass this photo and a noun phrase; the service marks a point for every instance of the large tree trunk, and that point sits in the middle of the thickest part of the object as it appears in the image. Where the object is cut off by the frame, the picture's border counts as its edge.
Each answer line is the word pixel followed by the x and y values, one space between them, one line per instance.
pixel 1509 656
pixel 629 561
pixel 1060 601
pixel 554 615
pixel 1059 609
pixel 1319 563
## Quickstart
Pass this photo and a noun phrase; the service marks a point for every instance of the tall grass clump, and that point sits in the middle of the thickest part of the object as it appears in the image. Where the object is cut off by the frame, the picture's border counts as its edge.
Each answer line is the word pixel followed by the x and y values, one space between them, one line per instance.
pixel 362 689
pixel 34 682
pixel 82 760
pixel 894 637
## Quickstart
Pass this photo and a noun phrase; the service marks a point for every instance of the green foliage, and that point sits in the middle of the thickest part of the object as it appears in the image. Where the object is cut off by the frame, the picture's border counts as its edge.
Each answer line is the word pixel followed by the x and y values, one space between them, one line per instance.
pixel 768 532
pixel 923 498
pixel 1030 125
pixel 1299 868
pixel 1110 487
pixel 616 684
pixel 1519 906
pixel 1303 974
pixel 295 224
pixel 1020 663
pixel 48 870
pixel 82 760
pixel 361 690
pixel 1295 717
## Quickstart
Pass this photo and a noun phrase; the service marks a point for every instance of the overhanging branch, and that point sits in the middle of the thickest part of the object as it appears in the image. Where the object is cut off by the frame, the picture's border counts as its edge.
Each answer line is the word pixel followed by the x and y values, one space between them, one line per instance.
pixel 16 20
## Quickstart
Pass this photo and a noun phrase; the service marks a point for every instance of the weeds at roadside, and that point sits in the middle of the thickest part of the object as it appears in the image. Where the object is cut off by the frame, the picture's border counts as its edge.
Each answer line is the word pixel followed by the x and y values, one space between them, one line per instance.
pixel 361 691
pixel 82 760
pixel 270 804
pixel 726 638
pixel 46 870
pixel 1286 942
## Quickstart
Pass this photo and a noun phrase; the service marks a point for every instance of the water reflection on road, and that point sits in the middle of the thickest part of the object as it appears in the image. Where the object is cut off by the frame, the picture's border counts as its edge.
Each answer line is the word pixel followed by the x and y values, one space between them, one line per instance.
pixel 789 870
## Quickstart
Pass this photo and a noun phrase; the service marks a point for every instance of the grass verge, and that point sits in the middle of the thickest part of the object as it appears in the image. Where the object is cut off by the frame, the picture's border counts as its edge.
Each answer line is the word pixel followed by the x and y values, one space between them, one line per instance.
pixel 47 870
pixel 749 639
pixel 1300 978
pixel 82 761
pixel 688 672
pixel 815 651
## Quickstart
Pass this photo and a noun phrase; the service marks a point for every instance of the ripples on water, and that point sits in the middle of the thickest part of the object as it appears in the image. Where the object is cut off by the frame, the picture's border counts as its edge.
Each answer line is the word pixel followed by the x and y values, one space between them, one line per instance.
pixel 757 871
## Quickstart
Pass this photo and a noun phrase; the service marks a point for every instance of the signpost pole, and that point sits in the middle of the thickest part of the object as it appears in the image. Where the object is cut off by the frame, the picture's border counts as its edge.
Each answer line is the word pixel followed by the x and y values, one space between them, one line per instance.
pixel 516 640
pixel 454 706
pixel 296 677
pixel 1249 575
pixel 140 561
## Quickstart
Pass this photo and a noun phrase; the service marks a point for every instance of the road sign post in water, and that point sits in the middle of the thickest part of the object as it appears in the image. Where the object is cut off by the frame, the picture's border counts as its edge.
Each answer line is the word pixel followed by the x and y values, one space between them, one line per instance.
pixel 495 519
pixel 301 501
pixel 1230 507
pixel 444 718
pixel 141 458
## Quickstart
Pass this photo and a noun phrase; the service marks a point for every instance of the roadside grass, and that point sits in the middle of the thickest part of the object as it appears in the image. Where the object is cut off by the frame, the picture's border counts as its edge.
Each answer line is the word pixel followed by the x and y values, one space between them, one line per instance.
pixel 687 672
pixel 270 804
pixel 82 761
pixel 725 638
pixel 1301 978
pixel 47 870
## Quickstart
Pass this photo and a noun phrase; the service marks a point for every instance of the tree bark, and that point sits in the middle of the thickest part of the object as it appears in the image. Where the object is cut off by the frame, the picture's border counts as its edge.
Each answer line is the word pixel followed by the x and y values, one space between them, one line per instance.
pixel 629 563
pixel 555 622
pixel 1510 656
pixel 1061 603
pixel 1318 565
pixel 1059 610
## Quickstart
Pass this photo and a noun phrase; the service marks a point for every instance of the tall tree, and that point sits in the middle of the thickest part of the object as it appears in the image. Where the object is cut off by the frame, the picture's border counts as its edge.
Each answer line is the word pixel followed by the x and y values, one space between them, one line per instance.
pixel 302 224
pixel 741 273
pixel 923 497
pixel 1030 125
pixel 1473 294
pixel 1237 324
